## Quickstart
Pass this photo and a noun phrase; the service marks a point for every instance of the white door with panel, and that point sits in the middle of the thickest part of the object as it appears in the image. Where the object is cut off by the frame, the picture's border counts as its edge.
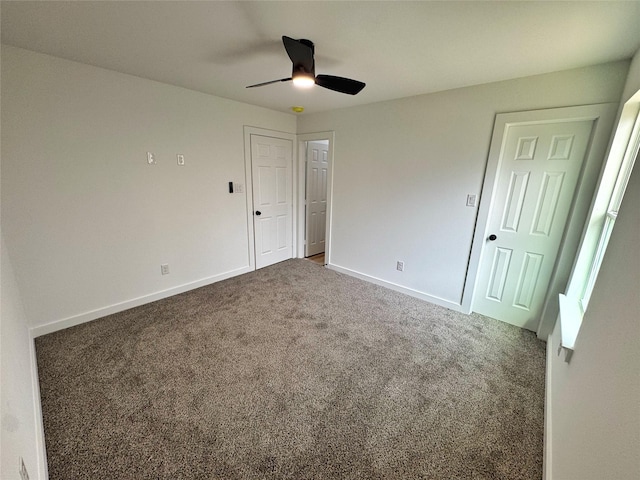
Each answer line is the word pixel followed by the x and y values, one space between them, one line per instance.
pixel 316 197
pixel 271 166
pixel 538 173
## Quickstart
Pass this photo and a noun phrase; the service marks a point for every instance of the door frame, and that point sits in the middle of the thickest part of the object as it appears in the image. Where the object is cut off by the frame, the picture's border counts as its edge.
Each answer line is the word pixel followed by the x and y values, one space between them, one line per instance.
pixel 301 185
pixel 248 131
pixel 324 145
pixel 603 116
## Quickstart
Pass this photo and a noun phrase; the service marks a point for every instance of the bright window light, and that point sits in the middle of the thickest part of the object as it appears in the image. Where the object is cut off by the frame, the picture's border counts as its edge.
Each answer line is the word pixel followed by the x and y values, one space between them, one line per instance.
pixel 604 212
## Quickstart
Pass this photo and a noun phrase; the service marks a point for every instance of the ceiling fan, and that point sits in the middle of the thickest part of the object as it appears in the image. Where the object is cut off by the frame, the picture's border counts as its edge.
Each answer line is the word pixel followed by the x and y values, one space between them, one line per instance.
pixel 304 75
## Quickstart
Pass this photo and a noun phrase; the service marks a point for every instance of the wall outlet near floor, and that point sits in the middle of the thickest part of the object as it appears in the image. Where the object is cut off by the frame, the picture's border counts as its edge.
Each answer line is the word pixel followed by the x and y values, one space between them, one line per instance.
pixel 400 266
pixel 24 475
pixel 164 269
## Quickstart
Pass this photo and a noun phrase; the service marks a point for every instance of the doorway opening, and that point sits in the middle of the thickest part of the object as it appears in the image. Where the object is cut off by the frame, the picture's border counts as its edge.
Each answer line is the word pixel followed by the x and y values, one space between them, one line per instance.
pixel 315 174
pixel 319 259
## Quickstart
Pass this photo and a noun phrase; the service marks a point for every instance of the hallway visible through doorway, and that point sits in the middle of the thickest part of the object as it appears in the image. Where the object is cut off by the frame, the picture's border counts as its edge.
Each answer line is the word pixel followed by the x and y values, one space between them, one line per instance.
pixel 319 259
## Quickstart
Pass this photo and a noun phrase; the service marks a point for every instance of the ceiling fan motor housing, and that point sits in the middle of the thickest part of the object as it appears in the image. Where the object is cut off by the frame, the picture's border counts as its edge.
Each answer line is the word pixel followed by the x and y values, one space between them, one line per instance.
pixel 301 70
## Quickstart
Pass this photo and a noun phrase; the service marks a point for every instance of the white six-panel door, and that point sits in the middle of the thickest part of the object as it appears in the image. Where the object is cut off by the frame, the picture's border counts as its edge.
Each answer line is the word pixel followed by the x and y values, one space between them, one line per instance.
pixel 539 169
pixel 271 167
pixel 316 197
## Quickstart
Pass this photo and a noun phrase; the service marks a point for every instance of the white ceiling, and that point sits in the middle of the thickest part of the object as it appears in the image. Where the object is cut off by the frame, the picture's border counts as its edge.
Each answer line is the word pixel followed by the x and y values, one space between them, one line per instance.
pixel 398 49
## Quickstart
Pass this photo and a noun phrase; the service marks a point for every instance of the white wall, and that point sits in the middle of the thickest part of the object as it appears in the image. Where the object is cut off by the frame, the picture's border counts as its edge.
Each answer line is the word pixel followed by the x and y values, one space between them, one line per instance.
pixel 633 78
pixel 593 402
pixel 20 435
pixel 403 169
pixel 86 220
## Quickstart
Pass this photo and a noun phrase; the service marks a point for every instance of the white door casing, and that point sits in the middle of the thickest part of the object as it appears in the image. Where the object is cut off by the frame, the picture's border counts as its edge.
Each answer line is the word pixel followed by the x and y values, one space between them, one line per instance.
pixel 539 167
pixel 327 137
pixel 271 171
pixel 317 169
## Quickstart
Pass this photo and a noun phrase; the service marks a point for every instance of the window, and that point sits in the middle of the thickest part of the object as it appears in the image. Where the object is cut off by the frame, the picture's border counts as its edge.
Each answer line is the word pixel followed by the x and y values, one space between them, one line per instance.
pixel 604 211
pixel 612 213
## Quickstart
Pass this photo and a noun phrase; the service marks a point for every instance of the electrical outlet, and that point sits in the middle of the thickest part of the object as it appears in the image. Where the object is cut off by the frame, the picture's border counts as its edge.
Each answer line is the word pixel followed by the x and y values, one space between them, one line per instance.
pixel 151 158
pixel 471 200
pixel 164 269
pixel 180 158
pixel 400 266
pixel 24 475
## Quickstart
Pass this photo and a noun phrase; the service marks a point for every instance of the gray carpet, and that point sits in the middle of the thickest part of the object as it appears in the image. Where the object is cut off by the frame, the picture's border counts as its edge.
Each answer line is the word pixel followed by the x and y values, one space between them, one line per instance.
pixel 292 372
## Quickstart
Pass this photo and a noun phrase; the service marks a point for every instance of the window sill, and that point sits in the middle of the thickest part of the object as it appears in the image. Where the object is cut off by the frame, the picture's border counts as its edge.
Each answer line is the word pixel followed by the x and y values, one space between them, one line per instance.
pixel 570 319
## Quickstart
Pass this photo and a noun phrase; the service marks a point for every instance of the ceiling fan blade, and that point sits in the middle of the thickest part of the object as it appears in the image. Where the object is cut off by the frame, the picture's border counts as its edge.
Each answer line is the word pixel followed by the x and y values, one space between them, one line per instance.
pixel 340 84
pixel 269 82
pixel 301 54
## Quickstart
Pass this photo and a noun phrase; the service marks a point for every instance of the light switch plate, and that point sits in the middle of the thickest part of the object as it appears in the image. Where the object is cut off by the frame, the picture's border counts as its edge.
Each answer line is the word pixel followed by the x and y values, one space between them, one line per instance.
pixel 238 188
pixel 471 200
pixel 151 158
pixel 180 158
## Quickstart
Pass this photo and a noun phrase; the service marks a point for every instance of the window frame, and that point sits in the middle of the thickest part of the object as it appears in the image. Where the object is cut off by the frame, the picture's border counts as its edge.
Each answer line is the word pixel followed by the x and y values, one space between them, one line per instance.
pixel 615 176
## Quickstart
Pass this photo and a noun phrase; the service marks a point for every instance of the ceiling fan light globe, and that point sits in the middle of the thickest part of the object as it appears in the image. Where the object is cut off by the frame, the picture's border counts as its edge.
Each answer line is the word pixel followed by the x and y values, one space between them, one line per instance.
pixel 304 81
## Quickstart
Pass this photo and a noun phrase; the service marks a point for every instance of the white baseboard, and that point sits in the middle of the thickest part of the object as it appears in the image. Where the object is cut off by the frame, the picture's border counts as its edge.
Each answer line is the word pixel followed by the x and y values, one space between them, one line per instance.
pixel 398 288
pixel 61 324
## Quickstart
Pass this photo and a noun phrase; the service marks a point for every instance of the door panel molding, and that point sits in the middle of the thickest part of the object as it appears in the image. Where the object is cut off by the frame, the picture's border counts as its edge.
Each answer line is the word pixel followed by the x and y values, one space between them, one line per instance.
pixel 248 181
pixel 603 116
